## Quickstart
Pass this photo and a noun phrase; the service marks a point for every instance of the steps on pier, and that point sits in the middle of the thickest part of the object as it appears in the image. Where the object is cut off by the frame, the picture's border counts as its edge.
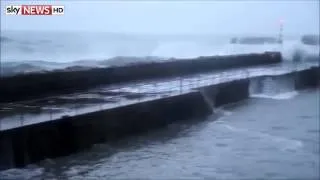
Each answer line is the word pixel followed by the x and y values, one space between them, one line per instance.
pixel 272 85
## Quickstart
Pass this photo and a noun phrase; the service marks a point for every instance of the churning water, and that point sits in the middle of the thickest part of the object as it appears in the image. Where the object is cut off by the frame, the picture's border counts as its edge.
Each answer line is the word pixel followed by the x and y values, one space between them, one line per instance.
pixel 274 134
pixel 42 51
pixel 269 138
pixel 67 46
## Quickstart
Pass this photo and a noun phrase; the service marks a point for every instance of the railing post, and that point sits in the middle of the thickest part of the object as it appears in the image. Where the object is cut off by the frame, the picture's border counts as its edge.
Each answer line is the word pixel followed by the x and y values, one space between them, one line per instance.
pixel 198 81
pixel 50 109
pixel 188 85
pixel 117 96
pixel 75 106
pixel 221 77
pixel 180 85
pixel 21 119
pixel 50 113
pixel 0 124
pixel 139 95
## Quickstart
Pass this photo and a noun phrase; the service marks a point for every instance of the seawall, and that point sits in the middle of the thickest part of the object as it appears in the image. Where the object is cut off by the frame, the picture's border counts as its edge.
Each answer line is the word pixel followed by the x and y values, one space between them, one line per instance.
pixel 36 85
pixel 307 78
pixel 33 143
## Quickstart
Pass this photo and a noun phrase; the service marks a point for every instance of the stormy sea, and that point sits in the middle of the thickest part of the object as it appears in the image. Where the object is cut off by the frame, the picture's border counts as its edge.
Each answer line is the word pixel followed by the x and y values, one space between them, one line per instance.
pixel 274 137
pixel 29 51
pixel 263 137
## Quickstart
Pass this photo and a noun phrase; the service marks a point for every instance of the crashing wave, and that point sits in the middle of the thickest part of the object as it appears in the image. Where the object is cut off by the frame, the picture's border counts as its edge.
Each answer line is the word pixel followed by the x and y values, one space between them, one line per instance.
pixel 23 67
pixel 75 50
pixel 308 50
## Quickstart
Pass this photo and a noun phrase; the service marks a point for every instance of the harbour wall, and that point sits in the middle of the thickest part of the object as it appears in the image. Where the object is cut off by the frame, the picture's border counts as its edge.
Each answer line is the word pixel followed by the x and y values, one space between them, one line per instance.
pixel 36 85
pixel 33 143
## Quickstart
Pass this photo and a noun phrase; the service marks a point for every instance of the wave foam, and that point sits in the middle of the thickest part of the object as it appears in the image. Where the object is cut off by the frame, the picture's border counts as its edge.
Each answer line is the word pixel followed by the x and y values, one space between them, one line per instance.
pixel 71 47
pixel 284 143
pixel 281 96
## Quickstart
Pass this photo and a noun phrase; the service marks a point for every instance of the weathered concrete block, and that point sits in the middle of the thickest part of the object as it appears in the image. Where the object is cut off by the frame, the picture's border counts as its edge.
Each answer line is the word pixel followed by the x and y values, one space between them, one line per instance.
pixel 72 134
pixel 232 92
pixel 307 78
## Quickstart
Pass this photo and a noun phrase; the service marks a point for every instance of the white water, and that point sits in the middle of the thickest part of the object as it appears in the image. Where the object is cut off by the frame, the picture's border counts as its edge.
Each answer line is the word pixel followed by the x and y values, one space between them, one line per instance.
pixel 66 47
pixel 280 96
pixel 273 87
pixel 259 139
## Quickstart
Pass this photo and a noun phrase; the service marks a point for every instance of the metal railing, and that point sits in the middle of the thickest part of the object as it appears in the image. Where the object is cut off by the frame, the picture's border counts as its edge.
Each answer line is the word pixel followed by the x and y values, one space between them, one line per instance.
pixel 144 91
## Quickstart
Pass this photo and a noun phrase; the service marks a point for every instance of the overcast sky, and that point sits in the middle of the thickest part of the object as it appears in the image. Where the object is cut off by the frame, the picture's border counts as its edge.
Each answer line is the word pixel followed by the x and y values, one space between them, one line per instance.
pixel 173 17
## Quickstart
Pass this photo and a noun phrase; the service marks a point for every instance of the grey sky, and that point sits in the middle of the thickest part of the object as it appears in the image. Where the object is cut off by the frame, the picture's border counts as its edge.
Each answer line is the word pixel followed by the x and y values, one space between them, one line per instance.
pixel 174 17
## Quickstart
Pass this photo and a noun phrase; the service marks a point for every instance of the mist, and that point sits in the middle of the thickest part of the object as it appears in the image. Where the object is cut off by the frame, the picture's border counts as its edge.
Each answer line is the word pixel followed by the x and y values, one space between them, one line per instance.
pixel 101 30
pixel 178 17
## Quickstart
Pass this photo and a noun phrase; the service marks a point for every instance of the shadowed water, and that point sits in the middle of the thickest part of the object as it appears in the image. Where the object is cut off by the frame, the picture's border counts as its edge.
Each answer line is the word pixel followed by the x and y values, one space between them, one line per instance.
pixel 268 138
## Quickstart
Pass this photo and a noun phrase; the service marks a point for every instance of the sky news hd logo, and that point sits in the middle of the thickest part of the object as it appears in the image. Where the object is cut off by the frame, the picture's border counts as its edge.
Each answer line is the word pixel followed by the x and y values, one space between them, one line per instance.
pixel 34 10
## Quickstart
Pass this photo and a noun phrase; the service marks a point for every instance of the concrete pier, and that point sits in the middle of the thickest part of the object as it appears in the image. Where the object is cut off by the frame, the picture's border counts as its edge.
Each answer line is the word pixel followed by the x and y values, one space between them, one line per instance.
pixel 29 86
pixel 46 128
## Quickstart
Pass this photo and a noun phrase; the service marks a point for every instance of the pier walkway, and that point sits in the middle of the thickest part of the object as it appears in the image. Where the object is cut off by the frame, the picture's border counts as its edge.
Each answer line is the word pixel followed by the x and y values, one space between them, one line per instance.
pixel 18 114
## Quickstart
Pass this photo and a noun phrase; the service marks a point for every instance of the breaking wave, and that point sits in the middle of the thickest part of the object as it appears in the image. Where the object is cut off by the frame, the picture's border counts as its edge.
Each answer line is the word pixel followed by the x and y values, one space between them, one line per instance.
pixel 65 47
pixel 281 96
pixel 52 50
pixel 277 87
